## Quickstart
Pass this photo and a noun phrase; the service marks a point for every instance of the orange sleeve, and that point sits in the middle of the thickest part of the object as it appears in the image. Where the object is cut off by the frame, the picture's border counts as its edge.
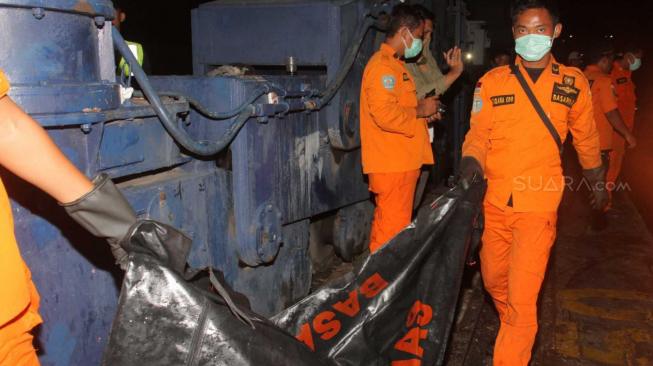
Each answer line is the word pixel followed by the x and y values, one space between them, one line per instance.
pixel 607 96
pixel 583 127
pixel 477 140
pixel 383 100
pixel 4 84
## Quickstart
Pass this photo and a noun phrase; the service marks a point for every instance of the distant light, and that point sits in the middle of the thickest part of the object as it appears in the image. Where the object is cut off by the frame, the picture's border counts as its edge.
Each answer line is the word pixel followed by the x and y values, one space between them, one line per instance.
pixel 571 36
pixel 611 36
pixel 468 56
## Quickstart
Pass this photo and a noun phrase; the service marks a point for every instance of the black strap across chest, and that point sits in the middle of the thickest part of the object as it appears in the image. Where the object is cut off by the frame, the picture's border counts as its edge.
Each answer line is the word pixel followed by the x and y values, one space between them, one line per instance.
pixel 538 107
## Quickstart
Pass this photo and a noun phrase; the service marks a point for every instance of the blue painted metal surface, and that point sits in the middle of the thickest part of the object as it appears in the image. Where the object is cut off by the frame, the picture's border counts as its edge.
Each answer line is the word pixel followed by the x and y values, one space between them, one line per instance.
pixel 248 209
pixel 315 33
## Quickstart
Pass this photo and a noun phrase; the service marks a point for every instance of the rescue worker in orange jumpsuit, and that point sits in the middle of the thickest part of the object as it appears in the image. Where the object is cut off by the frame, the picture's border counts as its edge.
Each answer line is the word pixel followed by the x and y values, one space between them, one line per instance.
pixel 622 71
pixel 27 151
pixel 606 113
pixel 393 124
pixel 510 144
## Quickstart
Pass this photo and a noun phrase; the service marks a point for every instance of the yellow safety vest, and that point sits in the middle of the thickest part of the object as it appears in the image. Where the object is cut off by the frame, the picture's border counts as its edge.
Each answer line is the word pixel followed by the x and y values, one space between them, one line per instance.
pixel 137 50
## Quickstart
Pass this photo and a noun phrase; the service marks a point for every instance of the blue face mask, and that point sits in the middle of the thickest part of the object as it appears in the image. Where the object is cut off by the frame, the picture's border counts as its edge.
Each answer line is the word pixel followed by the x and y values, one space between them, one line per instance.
pixel 415 47
pixel 636 64
pixel 533 47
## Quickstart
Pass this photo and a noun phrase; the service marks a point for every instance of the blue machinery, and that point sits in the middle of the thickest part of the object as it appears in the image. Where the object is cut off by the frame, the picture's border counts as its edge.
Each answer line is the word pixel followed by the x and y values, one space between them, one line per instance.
pixel 244 165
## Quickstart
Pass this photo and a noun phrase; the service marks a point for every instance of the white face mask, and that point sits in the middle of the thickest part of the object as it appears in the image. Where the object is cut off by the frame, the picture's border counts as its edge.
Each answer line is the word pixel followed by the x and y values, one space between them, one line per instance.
pixel 636 64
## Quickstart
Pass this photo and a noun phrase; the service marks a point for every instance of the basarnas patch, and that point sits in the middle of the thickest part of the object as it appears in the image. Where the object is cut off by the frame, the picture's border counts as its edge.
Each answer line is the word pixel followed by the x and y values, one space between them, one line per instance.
pixel 388 81
pixel 564 94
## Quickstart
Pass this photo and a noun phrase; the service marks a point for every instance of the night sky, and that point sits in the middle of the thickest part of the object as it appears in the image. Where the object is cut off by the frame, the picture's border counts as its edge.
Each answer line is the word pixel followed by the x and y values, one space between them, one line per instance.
pixel 583 20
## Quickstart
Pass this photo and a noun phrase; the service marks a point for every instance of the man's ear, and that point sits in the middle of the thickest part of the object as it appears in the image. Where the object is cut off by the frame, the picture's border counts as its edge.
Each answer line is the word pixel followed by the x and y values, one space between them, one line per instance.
pixel 557 30
pixel 123 16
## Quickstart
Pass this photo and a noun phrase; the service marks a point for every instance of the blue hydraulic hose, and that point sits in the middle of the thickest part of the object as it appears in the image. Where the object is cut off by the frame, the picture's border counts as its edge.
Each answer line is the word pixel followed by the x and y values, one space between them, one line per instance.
pixel 347 63
pixel 200 148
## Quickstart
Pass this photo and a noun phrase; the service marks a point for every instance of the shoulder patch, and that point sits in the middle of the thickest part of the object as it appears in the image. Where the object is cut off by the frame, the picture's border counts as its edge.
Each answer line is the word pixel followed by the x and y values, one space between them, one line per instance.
pixel 406 77
pixel 477 105
pixel 500 100
pixel 555 68
pixel 622 80
pixel 569 80
pixel 388 81
pixel 564 94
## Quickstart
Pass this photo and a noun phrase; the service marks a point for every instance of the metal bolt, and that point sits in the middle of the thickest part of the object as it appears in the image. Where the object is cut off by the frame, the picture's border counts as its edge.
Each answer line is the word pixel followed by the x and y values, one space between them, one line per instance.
pixel 38 13
pixel 269 208
pixel 99 21
pixel 291 65
pixel 86 128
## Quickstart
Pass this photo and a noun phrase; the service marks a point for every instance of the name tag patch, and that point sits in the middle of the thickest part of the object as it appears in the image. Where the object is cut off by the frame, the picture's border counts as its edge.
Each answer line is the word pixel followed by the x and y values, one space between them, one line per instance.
pixel 500 100
pixel 564 94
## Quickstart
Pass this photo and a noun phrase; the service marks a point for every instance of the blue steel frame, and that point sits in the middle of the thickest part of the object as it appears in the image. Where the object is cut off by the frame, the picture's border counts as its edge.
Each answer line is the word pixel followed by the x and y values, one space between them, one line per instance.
pixel 248 209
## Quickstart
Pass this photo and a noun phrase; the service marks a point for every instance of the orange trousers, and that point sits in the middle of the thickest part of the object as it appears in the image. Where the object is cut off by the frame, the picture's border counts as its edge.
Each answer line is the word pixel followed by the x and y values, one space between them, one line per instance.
pixel 616 160
pixel 16 348
pixel 394 194
pixel 514 255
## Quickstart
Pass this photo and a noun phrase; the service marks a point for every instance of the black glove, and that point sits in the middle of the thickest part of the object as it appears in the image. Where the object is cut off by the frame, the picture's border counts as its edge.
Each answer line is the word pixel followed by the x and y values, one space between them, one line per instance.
pixel 470 172
pixel 105 213
pixel 596 179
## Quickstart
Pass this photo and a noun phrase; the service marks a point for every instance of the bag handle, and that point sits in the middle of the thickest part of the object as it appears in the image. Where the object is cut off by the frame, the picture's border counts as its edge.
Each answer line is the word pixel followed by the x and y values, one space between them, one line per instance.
pixel 538 107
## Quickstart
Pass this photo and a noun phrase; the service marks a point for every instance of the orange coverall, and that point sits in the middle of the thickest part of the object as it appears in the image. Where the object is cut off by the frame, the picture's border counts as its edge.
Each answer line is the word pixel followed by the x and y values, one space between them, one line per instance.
pixel 394 142
pixel 522 165
pixel 19 300
pixel 604 100
pixel 626 100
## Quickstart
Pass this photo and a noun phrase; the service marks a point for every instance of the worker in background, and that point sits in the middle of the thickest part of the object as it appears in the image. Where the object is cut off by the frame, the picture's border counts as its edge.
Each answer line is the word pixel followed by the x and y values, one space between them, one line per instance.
pixel 624 66
pixel 606 112
pixel 27 151
pixel 393 124
pixel 425 71
pixel 575 59
pixel 136 48
pixel 500 58
pixel 429 80
pixel 518 150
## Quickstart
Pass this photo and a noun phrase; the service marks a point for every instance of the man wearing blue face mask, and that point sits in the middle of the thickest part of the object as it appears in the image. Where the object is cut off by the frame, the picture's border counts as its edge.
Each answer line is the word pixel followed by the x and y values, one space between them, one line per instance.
pixel 521 115
pixel 393 124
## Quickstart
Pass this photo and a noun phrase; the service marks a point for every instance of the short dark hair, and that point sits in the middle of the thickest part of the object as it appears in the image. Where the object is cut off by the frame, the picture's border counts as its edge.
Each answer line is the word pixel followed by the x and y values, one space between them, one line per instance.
pixel 424 13
pixel 403 16
pixel 520 6
pixel 598 50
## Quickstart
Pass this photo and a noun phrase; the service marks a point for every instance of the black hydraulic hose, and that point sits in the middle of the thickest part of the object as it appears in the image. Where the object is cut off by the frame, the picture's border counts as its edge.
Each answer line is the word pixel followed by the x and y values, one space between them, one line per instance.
pixel 347 63
pixel 201 148
pixel 215 115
